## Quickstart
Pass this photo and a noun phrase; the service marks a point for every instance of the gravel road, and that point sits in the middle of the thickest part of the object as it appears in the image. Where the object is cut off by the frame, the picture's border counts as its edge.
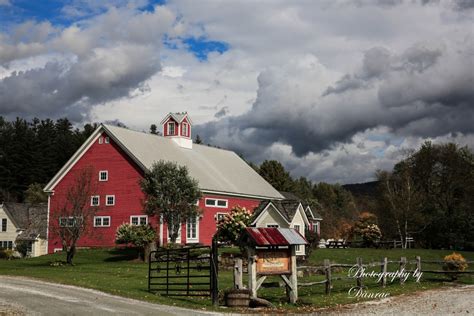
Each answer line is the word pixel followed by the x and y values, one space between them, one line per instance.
pixel 22 296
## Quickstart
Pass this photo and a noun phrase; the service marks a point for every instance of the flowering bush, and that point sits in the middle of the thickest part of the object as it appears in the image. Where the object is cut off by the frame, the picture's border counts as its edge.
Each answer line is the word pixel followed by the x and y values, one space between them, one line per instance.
pixel 231 226
pixel 370 234
pixel 454 262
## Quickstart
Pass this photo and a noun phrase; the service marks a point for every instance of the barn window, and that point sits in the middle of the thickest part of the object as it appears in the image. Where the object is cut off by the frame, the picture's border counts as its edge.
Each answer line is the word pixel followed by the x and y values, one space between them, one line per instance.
pixel 107 140
pixel 220 216
pixel 103 175
pixel 185 129
pixel 4 224
pixel 102 221
pixel 95 200
pixel 110 200
pixel 171 130
pixel 216 203
pixel 192 229
pixel 139 220
pixel 101 140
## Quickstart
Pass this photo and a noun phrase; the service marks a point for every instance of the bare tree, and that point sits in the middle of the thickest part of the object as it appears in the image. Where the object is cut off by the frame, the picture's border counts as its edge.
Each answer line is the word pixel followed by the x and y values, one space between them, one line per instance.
pixel 402 197
pixel 75 216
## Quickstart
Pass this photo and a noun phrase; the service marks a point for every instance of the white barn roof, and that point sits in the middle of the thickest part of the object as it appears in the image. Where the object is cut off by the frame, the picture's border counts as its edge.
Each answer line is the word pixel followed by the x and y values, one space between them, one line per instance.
pixel 216 170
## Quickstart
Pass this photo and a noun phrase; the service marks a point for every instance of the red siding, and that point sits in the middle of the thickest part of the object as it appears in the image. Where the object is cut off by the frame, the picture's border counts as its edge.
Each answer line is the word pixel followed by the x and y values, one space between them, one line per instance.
pixel 165 127
pixel 123 182
pixel 123 178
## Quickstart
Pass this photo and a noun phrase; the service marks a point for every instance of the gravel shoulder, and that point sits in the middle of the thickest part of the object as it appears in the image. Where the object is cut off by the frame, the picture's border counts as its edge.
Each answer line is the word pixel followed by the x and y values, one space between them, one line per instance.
pixel 447 300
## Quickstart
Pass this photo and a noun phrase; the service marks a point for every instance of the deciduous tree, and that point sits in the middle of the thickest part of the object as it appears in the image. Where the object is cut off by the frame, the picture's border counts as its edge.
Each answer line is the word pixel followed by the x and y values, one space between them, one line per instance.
pixel 170 193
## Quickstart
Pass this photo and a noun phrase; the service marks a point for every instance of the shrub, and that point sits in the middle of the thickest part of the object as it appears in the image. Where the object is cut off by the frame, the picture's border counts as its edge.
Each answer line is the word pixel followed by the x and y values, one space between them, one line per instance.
pixel 231 227
pixel 22 247
pixel 139 236
pixel 6 254
pixel 371 234
pixel 454 262
pixel 313 241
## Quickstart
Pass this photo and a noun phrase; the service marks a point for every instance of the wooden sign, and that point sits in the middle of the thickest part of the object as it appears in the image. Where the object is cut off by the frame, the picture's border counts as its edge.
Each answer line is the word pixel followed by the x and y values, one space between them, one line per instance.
pixel 271 261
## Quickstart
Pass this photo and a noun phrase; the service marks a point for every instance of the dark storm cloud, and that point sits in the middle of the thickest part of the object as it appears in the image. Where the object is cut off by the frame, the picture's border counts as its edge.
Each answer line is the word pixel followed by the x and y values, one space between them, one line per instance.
pixel 66 72
pixel 59 88
pixel 424 91
pixel 222 112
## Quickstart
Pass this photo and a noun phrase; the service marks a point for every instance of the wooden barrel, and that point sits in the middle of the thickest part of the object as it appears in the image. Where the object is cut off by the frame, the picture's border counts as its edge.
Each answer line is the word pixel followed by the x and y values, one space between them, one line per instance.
pixel 237 298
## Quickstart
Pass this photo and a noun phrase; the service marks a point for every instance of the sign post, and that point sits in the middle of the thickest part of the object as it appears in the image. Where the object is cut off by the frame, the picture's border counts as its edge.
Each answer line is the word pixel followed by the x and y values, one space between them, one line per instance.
pixel 268 258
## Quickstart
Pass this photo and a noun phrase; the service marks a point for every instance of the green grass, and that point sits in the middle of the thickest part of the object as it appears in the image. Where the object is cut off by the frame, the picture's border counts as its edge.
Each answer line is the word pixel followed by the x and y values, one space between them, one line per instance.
pixel 117 272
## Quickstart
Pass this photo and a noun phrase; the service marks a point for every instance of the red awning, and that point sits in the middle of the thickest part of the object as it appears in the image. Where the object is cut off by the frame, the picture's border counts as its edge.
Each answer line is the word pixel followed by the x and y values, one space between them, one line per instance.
pixel 275 236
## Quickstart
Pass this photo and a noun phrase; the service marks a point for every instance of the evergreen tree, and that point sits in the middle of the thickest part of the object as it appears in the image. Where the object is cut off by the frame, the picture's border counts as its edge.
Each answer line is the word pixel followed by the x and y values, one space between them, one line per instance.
pixel 274 172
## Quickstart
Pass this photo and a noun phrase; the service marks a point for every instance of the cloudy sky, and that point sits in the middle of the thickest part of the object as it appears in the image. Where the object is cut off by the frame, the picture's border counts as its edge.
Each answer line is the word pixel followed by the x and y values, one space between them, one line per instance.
pixel 332 89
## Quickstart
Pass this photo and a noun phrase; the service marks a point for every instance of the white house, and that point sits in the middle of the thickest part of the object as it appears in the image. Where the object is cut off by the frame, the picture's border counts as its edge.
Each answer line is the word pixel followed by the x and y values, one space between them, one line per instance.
pixel 25 222
pixel 287 214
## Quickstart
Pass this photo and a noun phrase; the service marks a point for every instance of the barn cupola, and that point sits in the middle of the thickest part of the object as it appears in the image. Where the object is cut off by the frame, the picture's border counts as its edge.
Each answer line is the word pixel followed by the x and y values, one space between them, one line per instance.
pixel 177 126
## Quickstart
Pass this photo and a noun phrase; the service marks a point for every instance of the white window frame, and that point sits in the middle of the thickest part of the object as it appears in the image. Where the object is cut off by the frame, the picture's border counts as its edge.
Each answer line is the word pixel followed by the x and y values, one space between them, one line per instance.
pixel 169 129
pixel 297 227
pixel 98 200
pixel 101 140
pixel 272 225
pixel 67 218
pixel 216 203
pixel 185 129
pixel 107 140
pixel 106 175
pixel 216 217
pixel 101 221
pixel 196 228
pixel 139 217
pixel 107 200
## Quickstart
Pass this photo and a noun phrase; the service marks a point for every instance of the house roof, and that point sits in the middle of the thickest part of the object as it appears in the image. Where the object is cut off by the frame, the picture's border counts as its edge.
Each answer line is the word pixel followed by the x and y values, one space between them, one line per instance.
pixel 32 219
pixel 274 236
pixel 287 209
pixel 217 171
pixel 178 117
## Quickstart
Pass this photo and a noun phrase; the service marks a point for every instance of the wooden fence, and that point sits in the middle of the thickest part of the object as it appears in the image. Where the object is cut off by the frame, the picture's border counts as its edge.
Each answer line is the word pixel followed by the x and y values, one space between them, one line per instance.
pixel 383 265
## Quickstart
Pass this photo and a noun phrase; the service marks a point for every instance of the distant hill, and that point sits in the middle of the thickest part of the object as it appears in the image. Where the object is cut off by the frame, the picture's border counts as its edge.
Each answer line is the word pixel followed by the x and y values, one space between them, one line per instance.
pixel 367 189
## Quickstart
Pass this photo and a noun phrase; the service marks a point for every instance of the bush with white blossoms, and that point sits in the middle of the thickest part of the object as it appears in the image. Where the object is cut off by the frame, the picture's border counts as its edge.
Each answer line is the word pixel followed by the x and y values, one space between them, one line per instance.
pixel 231 226
pixel 371 234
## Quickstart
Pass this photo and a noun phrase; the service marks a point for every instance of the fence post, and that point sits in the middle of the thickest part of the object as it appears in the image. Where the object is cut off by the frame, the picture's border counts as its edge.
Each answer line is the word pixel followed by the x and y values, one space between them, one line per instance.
pixel 418 266
pixel 327 270
pixel 403 263
pixel 214 273
pixel 359 268
pixel 238 285
pixel 384 271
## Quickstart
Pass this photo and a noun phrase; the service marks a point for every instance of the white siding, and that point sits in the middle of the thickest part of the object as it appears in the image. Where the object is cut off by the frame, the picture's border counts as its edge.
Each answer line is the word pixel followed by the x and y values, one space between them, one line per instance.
pixel 11 233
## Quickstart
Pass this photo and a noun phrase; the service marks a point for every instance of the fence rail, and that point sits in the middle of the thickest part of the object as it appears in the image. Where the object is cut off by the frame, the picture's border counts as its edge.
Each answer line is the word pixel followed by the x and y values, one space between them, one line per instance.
pixel 383 264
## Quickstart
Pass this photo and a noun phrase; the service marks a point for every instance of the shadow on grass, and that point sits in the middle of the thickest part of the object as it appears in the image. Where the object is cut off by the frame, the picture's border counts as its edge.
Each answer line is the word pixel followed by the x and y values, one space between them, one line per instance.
pixel 122 254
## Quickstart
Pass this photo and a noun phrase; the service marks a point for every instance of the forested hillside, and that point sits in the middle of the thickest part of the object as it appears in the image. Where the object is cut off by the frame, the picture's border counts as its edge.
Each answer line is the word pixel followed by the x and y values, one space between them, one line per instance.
pixel 33 151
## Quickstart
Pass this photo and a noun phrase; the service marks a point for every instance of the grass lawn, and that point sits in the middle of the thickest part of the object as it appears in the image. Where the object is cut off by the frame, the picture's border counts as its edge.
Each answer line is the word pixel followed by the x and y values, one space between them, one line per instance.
pixel 116 272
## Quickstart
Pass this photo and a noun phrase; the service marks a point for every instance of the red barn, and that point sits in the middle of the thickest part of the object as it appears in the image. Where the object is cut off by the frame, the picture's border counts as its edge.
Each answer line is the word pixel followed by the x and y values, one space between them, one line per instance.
pixel 120 157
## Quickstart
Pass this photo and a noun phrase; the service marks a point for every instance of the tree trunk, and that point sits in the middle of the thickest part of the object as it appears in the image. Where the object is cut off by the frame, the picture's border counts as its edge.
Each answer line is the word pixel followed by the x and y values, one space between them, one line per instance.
pixel 70 255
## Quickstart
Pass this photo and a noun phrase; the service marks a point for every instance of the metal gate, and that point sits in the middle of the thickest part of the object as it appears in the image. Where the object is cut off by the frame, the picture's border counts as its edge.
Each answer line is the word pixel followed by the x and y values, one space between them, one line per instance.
pixel 187 271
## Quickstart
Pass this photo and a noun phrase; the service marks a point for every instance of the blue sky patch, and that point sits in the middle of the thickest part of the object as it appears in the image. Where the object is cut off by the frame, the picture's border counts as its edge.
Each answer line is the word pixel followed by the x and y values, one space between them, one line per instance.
pixel 201 46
